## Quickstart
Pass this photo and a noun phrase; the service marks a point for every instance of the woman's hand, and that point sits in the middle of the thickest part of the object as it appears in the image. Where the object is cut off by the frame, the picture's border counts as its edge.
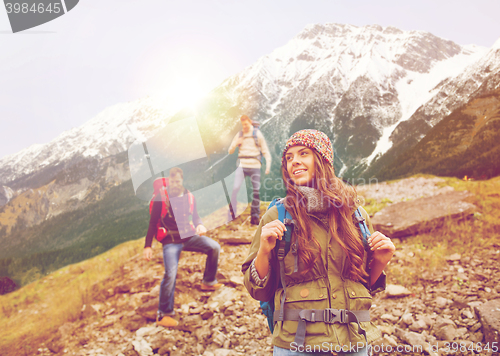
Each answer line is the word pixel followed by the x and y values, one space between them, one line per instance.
pixel 269 234
pixel 382 247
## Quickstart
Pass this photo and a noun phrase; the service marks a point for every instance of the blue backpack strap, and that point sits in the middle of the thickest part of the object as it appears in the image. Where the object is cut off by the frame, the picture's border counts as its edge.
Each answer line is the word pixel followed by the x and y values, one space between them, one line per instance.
pixel 286 218
pixel 365 233
pixel 364 229
pixel 282 249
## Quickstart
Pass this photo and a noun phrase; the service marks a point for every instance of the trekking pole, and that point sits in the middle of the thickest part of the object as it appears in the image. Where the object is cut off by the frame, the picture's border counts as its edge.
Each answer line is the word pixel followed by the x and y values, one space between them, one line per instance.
pixel 146 153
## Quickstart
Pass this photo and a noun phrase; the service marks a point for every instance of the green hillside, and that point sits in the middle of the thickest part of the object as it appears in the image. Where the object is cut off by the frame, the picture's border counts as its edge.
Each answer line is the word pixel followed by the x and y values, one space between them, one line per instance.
pixel 74 236
pixel 465 143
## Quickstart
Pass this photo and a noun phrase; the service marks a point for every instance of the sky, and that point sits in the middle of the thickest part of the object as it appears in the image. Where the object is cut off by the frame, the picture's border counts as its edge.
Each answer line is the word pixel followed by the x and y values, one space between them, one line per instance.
pixel 63 73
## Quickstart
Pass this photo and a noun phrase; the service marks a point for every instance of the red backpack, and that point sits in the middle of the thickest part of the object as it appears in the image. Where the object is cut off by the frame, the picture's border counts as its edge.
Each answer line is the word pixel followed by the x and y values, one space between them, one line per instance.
pixel 160 187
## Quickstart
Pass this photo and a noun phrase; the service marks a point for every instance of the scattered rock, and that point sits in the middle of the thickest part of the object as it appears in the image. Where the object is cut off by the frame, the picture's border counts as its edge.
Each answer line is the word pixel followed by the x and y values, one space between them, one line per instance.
pixel 134 322
pixel 441 302
pixel 445 332
pixel 418 326
pixel 407 318
pixel 87 311
pixel 223 352
pixel 148 310
pixel 142 347
pixel 389 318
pixel 235 238
pixel 394 291
pixel 454 257
pixel 55 345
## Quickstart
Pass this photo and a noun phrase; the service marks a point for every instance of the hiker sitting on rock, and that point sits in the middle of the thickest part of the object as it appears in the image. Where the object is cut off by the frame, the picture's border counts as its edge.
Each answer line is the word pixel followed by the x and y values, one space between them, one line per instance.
pixel 252 146
pixel 171 206
pixel 316 275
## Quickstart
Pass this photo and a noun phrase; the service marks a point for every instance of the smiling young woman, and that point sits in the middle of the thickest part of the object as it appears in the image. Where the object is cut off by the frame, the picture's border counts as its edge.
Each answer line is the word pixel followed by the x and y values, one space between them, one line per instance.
pixel 300 165
pixel 331 288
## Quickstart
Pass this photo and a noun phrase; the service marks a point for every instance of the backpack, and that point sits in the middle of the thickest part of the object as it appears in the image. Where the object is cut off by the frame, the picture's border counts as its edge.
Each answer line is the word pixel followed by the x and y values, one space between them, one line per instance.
pixel 282 250
pixel 160 187
pixel 256 127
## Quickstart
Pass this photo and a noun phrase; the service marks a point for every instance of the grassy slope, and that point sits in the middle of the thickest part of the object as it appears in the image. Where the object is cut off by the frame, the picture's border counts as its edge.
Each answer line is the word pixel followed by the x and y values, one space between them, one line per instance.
pixel 74 236
pixel 34 312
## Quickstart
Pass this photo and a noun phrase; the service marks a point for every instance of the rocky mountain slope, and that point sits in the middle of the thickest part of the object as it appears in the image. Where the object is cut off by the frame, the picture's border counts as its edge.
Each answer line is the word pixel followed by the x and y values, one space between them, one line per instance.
pixel 446 307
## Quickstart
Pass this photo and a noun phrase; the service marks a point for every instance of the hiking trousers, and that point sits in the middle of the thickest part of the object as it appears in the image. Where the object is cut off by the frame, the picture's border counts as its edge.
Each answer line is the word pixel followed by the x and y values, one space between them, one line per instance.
pixel 171 254
pixel 239 178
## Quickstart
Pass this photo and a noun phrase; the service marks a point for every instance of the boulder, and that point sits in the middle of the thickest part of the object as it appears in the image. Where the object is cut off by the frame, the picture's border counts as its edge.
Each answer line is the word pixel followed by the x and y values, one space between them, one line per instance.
pixel 134 322
pixel 423 214
pixel 489 315
pixel 235 238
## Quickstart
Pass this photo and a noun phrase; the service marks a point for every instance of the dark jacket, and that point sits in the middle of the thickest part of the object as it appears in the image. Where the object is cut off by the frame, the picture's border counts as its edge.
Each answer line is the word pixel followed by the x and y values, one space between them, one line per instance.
pixel 177 222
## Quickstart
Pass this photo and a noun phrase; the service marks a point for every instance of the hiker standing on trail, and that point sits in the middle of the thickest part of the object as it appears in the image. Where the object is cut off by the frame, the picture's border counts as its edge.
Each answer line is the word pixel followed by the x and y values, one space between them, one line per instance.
pixel 328 275
pixel 252 146
pixel 172 204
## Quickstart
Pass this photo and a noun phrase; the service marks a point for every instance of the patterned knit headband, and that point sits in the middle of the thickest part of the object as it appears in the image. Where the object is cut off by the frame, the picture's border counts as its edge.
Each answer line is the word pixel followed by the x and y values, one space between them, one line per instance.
pixel 315 140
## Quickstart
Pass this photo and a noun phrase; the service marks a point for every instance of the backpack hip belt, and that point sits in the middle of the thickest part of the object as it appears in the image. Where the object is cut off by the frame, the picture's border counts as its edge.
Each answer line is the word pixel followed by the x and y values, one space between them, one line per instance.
pixel 327 315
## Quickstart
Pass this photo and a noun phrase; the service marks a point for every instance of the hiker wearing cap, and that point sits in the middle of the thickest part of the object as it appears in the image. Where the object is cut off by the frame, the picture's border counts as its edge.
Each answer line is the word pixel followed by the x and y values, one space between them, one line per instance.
pixel 251 147
pixel 171 208
pixel 322 287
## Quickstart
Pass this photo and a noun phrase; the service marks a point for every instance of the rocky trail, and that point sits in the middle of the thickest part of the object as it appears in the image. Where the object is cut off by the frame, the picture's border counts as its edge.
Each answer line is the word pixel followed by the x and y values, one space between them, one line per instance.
pixel 452 310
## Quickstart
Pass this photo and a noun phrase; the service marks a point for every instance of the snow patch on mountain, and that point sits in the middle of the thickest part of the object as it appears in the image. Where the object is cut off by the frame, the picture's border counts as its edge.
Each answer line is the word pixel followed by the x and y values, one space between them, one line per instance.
pixel 6 194
pixel 104 135
pixel 413 91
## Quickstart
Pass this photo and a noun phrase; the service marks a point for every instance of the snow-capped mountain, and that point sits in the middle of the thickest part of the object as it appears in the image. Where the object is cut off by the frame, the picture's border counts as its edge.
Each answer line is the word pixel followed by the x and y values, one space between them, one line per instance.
pixel 108 133
pixel 355 83
pixel 458 90
pixel 478 78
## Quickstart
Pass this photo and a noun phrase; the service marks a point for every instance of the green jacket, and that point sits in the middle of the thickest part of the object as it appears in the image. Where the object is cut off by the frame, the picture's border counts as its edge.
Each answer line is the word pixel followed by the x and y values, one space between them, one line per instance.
pixel 322 287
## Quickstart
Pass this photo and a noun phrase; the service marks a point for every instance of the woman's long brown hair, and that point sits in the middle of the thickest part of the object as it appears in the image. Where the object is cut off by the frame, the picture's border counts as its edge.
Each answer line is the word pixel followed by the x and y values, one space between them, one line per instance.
pixel 342 201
